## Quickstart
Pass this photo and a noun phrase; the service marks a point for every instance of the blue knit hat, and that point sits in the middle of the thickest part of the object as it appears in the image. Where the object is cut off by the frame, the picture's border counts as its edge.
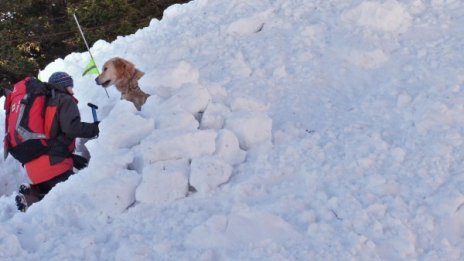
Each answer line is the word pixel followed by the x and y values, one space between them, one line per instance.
pixel 61 79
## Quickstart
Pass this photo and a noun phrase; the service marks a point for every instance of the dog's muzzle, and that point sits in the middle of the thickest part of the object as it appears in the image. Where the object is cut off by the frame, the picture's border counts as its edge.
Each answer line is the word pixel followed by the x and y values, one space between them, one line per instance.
pixel 104 84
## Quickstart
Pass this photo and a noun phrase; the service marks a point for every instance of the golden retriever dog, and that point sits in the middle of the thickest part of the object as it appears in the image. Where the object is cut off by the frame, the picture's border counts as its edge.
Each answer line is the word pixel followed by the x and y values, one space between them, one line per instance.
pixel 123 74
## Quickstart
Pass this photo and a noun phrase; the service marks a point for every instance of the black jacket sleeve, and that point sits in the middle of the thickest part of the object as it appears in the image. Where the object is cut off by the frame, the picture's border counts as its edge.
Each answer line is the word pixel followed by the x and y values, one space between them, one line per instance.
pixel 70 120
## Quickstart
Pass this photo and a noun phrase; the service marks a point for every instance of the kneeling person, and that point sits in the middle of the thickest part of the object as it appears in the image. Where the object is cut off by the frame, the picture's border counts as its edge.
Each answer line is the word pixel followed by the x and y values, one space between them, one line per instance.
pixel 56 166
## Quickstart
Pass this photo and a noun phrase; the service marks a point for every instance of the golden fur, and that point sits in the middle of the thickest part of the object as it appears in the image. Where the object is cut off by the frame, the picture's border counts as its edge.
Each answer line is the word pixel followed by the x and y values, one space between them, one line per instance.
pixel 124 76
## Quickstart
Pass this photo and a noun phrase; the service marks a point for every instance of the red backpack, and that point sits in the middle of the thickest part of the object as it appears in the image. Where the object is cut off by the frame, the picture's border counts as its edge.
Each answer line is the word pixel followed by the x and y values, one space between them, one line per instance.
pixel 25 130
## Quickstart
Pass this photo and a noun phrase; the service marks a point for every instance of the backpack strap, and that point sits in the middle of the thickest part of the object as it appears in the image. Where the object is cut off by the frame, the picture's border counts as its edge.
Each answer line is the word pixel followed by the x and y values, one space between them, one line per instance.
pixel 26 104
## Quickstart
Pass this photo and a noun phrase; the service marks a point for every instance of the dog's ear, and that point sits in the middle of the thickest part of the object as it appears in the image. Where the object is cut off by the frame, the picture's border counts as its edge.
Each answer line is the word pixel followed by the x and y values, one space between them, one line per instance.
pixel 129 69
pixel 124 68
pixel 138 74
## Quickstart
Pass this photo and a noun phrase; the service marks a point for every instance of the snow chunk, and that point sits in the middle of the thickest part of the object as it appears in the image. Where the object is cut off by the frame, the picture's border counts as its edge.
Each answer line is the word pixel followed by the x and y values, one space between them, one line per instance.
pixel 208 172
pixel 191 98
pixel 217 92
pixel 228 149
pixel 151 105
pixel 251 24
pixel 175 11
pixel 168 118
pixel 164 182
pixel 174 145
pixel 114 194
pixel 251 128
pixel 389 16
pixel 176 119
pixel 214 115
pixel 98 45
pixel 106 161
pixel 123 128
pixel 169 79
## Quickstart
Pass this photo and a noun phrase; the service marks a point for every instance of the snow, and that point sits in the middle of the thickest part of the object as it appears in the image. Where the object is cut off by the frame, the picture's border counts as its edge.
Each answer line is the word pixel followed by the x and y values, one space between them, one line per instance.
pixel 387 16
pixel 275 130
pixel 164 182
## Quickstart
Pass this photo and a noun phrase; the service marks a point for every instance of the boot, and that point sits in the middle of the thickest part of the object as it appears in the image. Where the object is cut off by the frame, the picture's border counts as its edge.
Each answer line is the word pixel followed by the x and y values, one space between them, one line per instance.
pixel 27 196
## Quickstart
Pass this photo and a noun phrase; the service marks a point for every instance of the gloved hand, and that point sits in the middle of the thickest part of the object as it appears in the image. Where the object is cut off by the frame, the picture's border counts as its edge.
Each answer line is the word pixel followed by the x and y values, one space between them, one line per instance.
pixel 96 123
pixel 79 162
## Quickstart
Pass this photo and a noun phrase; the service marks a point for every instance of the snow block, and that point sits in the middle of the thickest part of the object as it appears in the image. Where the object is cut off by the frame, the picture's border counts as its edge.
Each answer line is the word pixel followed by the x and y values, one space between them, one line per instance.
pixel 176 119
pixel 175 144
pixel 100 166
pixel 169 79
pixel 249 25
pixel 214 115
pixel 115 194
pixel 164 182
pixel 251 128
pixel 123 128
pixel 228 148
pixel 192 98
pixel 151 106
pixel 218 93
pixel 208 172
pixel 166 117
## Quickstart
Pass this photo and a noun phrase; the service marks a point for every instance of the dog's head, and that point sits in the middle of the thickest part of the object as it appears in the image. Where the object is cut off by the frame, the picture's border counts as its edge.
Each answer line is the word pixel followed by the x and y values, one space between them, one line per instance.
pixel 117 70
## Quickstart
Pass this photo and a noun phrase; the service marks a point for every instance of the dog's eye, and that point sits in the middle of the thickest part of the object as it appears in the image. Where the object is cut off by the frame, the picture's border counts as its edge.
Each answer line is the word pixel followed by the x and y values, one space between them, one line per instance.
pixel 104 69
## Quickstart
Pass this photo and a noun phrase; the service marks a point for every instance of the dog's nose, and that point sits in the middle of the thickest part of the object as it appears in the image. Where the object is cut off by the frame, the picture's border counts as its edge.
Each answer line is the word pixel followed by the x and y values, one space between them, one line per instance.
pixel 96 80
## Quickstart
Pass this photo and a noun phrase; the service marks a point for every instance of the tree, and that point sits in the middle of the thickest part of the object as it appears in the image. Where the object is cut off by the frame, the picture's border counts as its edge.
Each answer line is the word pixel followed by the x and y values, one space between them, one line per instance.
pixel 36 32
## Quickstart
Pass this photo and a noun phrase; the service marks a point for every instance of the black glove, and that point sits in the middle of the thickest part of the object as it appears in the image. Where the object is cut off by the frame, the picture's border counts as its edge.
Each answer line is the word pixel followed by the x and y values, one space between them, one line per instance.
pixel 98 129
pixel 79 162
